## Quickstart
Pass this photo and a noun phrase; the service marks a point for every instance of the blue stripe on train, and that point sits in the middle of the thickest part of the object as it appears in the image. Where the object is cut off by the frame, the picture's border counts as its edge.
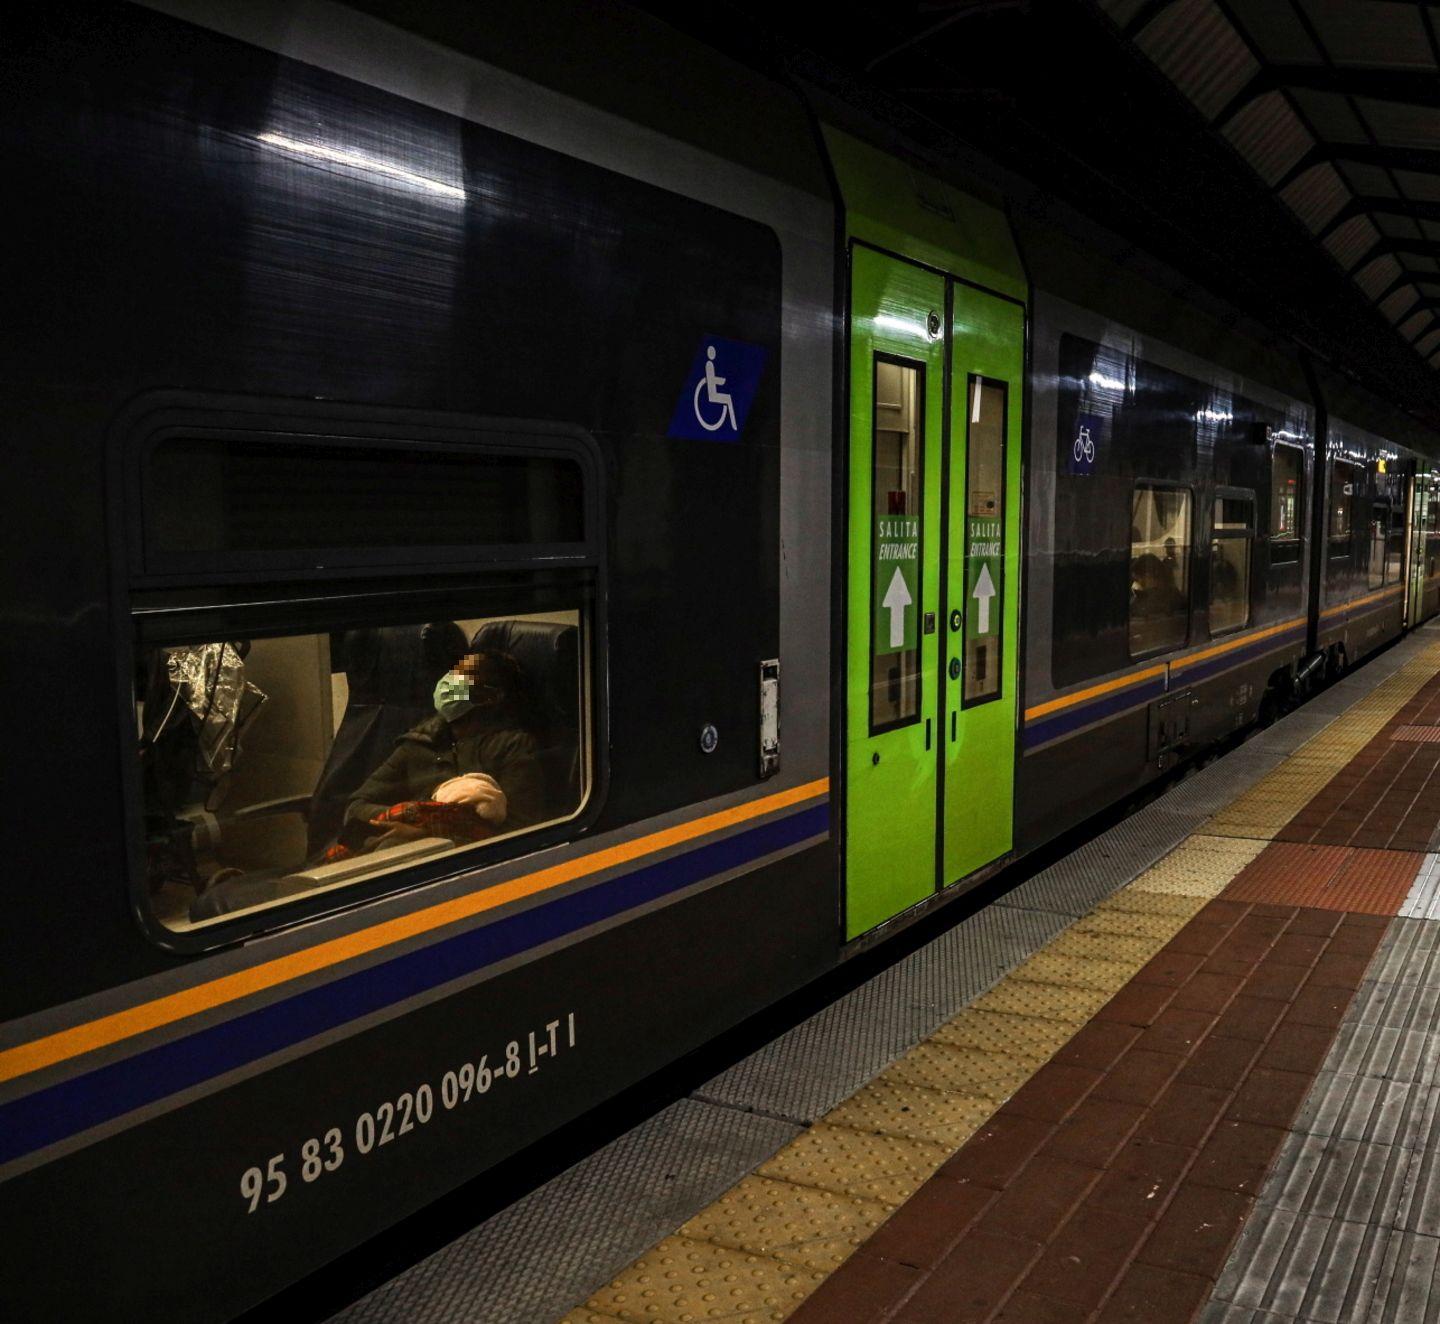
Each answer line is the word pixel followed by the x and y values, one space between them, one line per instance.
pixel 1063 723
pixel 1215 665
pixel 108 1092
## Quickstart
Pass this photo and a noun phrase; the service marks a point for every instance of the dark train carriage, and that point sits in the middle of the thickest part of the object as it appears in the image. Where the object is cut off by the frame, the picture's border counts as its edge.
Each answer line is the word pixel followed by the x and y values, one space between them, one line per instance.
pixel 1367 551
pixel 445 460
pixel 1171 477
pixel 409 453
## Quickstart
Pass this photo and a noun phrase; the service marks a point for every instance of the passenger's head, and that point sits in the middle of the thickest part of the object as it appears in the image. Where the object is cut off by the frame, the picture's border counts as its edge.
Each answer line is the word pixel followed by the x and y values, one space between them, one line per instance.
pixel 479 682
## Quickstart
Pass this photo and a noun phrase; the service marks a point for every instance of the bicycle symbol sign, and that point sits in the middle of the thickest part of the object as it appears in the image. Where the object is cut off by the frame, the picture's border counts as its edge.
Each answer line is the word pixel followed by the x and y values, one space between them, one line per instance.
pixel 1085 443
pixel 719 390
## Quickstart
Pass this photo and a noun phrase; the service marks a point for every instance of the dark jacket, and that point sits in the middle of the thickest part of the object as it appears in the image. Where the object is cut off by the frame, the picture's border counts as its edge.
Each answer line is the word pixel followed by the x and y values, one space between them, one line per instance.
pixel 429 754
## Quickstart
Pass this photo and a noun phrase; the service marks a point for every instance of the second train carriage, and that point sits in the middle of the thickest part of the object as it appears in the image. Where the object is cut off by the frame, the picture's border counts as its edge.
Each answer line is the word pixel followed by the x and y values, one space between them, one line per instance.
pixel 795 532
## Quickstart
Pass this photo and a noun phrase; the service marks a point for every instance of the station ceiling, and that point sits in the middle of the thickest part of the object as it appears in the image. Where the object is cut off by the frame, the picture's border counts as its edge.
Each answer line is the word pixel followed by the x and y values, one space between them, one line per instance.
pixel 1335 105
pixel 1284 153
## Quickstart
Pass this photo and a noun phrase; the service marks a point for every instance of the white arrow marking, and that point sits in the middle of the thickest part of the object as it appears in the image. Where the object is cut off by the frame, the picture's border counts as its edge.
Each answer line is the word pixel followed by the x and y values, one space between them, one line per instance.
pixel 984 591
pixel 897 598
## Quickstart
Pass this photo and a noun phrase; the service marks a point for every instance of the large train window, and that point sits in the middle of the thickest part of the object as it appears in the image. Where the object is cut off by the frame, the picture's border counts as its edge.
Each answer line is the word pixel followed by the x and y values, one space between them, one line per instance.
pixel 1232 538
pixel 364 654
pixel 1159 567
pixel 1287 479
pixel 898 552
pixel 283 765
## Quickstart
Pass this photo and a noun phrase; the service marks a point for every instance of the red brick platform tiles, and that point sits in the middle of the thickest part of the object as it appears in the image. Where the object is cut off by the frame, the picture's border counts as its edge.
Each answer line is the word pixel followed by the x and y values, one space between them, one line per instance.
pixel 1388 795
pixel 1111 1186
pixel 1369 882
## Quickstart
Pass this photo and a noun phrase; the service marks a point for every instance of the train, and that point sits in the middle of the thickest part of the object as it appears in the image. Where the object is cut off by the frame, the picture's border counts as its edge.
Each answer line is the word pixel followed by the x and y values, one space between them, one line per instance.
pixel 530 559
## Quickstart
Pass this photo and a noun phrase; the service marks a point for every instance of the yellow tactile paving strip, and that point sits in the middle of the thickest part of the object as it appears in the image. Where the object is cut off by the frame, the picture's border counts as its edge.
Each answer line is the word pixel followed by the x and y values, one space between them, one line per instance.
pixel 1277 797
pixel 758 1251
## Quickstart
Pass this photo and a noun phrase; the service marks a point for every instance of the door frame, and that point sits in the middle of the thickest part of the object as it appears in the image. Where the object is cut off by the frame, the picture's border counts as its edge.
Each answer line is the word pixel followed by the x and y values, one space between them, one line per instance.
pixel 1017 392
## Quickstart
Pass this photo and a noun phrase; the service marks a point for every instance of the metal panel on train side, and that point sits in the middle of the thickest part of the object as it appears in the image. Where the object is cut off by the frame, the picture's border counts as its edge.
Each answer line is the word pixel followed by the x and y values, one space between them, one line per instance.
pixel 181 234
pixel 177 235
pixel 1116 413
pixel 157 1221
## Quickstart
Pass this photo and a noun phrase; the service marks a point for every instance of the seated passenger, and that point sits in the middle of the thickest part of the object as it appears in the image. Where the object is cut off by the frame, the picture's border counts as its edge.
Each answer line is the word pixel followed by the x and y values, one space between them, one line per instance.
pixel 469 772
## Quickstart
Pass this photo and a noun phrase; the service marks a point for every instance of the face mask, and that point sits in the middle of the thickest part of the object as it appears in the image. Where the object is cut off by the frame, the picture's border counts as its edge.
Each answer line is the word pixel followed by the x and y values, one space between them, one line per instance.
pixel 452 696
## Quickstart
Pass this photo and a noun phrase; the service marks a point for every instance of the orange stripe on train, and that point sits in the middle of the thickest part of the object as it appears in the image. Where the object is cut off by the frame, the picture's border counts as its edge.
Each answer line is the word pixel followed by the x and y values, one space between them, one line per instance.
pixel 65 1044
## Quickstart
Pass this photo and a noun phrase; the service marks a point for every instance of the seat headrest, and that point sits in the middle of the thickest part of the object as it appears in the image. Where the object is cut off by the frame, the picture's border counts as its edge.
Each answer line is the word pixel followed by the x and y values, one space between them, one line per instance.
pixel 546 653
pixel 398 664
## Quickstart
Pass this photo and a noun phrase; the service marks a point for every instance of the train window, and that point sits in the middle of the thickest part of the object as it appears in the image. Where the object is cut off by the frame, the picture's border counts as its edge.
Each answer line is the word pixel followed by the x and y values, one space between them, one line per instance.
pixel 1344 484
pixel 984 538
pixel 897 551
pixel 274 501
pixel 1159 568
pixel 1232 537
pixel 285 764
pixel 1379 535
pixel 1287 478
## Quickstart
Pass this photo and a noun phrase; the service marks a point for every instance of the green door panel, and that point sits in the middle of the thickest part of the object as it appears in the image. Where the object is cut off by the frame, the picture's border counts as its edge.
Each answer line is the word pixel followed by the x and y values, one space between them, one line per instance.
pixel 1421 495
pixel 937 296
pixel 896 207
pixel 983 580
pixel 890 792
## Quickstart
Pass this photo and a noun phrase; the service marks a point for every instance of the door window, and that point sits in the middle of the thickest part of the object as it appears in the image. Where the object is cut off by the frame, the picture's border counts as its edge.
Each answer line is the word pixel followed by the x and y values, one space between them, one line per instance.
pixel 896 543
pixel 984 539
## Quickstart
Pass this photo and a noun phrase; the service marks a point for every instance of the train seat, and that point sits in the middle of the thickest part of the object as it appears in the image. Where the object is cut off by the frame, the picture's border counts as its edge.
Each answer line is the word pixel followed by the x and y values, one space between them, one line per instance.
pixel 391 672
pixel 547 654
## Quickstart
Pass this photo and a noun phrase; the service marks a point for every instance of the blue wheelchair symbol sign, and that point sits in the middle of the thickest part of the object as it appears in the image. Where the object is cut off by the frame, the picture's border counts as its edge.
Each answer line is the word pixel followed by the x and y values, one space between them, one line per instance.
pixel 718 391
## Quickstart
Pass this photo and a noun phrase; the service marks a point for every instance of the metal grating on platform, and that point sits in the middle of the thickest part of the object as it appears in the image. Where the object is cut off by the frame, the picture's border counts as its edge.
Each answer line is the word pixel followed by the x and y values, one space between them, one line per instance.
pixel 534 1260
pixel 1347 1222
pixel 1428 735
pixel 1212 787
pixel 1424 899
pixel 808 1070
pixel 1074 885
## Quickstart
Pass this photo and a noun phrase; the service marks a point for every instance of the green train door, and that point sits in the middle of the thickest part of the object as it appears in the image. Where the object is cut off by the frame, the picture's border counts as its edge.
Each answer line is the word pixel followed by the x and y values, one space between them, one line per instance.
pixel 1420 499
pixel 932 564
pixel 983 552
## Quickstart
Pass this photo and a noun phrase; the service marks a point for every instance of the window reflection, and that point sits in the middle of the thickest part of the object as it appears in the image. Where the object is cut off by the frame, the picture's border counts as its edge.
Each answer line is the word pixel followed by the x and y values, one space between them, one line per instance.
pixel 1159 568
pixel 897 545
pixel 1231 543
pixel 281 765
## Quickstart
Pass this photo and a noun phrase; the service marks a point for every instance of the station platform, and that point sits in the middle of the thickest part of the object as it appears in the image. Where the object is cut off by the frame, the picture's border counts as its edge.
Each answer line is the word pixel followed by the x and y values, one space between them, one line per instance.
pixel 1191 1071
